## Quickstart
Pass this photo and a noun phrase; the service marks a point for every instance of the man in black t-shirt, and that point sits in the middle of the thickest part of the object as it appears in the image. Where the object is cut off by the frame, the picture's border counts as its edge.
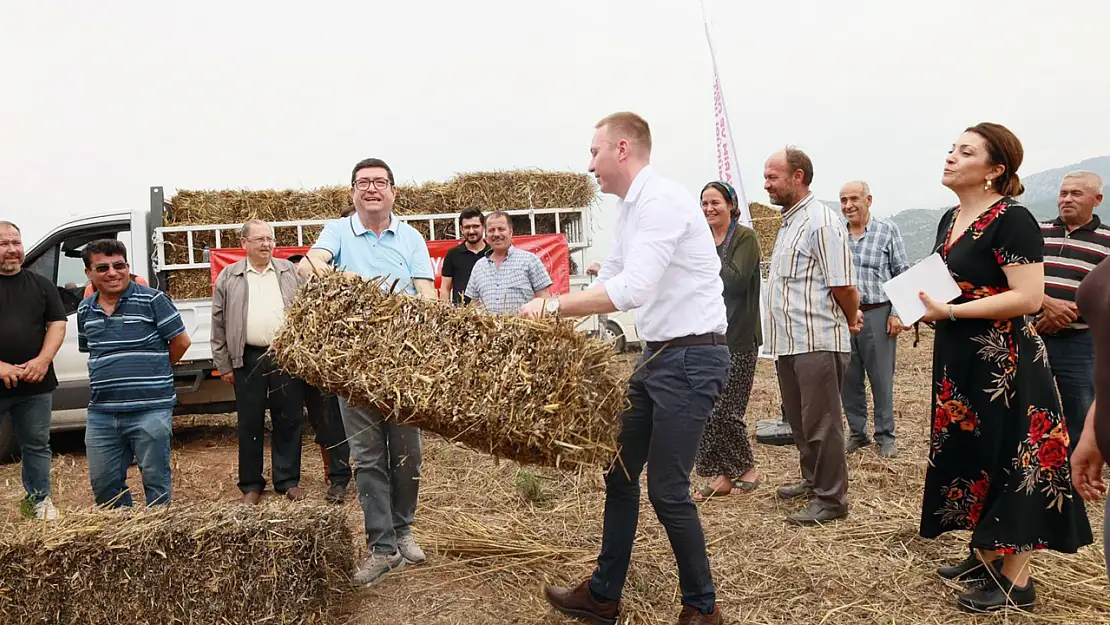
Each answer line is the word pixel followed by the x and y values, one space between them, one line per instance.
pixel 32 327
pixel 460 259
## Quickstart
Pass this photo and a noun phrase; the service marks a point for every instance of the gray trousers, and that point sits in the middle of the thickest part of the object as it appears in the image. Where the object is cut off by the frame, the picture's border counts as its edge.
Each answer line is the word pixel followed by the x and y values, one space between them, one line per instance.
pixel 873 354
pixel 810 386
pixel 386 459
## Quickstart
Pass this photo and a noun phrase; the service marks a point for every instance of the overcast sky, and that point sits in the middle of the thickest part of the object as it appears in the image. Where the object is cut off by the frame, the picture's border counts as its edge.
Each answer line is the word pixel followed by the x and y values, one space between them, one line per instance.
pixel 100 101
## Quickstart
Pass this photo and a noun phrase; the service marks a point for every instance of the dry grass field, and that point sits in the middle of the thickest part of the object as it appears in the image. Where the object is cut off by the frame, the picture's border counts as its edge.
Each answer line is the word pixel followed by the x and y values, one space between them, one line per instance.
pixel 496 532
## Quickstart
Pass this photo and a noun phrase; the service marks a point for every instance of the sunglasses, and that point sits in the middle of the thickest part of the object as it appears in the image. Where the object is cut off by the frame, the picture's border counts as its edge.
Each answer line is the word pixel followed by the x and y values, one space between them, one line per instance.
pixel 120 266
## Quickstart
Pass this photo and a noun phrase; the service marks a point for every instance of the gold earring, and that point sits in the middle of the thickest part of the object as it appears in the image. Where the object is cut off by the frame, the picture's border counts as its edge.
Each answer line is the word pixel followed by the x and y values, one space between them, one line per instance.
pixel 987 187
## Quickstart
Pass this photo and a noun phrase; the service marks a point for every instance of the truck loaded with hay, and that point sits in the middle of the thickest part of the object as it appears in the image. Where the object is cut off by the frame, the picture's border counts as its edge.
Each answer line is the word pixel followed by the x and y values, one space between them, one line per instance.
pixel 171 244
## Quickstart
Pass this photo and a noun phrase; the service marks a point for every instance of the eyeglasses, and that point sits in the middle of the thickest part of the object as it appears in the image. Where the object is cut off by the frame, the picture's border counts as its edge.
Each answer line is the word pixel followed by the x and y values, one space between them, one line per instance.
pixel 120 266
pixel 364 184
pixel 261 239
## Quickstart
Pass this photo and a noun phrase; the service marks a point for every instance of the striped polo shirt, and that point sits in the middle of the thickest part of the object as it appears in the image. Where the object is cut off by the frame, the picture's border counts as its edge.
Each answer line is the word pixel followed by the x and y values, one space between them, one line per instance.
pixel 811 255
pixel 1070 256
pixel 129 355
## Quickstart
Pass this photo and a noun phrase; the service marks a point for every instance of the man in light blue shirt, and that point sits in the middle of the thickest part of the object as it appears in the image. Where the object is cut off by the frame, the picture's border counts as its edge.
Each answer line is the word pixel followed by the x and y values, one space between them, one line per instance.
pixel 372 243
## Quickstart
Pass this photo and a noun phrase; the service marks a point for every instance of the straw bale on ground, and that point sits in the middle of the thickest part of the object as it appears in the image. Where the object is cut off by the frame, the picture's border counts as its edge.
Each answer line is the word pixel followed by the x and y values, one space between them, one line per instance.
pixel 494 190
pixel 190 564
pixel 534 391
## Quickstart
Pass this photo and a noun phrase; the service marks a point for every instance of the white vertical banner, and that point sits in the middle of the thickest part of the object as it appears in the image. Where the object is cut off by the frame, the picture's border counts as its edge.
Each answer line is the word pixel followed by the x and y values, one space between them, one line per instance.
pixel 727 167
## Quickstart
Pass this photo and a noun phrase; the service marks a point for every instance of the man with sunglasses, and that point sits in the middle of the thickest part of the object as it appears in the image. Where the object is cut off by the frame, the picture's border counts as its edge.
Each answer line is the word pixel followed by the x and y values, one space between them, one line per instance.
pixel 32 327
pixel 371 243
pixel 133 335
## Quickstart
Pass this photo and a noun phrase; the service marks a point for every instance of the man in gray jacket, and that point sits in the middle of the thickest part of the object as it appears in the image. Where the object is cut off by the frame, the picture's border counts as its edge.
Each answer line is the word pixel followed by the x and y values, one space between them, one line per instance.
pixel 248 307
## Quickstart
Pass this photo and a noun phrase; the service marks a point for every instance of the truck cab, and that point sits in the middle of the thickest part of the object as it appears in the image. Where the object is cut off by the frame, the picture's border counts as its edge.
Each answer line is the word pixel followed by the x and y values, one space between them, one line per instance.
pixel 57 256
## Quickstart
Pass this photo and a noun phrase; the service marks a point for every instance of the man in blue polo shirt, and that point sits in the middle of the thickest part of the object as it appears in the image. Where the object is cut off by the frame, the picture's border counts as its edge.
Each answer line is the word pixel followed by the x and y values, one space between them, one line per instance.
pixel 371 243
pixel 133 335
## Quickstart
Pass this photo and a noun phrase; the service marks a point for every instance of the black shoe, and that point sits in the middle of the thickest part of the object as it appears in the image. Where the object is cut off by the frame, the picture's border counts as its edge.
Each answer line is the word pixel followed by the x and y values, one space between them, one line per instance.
pixel 795 491
pixel 994 597
pixel 971 569
pixel 814 514
pixel 337 493
pixel 855 444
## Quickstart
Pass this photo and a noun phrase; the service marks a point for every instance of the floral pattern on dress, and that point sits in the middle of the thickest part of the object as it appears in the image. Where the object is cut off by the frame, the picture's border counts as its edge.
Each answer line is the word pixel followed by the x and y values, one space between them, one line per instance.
pixel 963 501
pixel 999 348
pixel 1006 258
pixel 996 467
pixel 952 409
pixel 973 292
pixel 1030 330
pixel 1043 457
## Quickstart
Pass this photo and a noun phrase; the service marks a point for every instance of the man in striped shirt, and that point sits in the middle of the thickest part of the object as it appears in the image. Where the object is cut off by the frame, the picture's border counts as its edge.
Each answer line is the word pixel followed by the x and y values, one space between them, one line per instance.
pixel 133 335
pixel 813 306
pixel 1074 244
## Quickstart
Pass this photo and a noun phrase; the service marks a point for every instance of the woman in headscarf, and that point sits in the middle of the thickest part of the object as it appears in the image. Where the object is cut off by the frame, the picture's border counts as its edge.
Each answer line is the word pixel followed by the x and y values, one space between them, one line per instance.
pixel 725 454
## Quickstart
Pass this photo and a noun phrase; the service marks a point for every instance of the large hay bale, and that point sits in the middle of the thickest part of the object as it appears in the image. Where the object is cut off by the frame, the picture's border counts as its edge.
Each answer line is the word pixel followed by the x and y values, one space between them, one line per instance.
pixel 534 391
pixel 495 190
pixel 765 222
pixel 189 564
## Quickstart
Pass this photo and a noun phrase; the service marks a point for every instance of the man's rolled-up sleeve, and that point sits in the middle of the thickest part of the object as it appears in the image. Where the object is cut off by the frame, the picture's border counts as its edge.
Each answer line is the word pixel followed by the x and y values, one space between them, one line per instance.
pixel 834 256
pixel 657 230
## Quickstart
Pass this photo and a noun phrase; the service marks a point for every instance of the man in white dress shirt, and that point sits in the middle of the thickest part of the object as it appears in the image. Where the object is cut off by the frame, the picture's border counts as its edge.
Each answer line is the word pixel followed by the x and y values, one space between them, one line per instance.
pixel 664 264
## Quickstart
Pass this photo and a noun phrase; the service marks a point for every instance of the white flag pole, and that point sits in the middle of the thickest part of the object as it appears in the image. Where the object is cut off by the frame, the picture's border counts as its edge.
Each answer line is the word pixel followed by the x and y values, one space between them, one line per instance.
pixel 727 167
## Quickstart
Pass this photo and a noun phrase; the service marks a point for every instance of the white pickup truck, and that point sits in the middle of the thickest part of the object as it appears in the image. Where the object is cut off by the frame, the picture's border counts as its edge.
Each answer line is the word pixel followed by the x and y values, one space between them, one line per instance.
pixel 199 390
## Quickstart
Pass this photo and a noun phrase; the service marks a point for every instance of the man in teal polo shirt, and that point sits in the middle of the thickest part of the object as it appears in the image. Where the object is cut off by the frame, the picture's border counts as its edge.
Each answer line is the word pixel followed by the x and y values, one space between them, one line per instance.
pixel 371 243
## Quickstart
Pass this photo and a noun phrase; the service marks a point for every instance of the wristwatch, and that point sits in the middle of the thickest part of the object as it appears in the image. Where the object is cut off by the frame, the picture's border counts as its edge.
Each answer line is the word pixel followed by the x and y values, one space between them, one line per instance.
pixel 551 305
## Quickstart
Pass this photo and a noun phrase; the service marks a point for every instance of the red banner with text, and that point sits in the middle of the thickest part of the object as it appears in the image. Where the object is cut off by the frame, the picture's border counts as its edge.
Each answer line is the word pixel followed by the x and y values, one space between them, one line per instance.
pixel 552 250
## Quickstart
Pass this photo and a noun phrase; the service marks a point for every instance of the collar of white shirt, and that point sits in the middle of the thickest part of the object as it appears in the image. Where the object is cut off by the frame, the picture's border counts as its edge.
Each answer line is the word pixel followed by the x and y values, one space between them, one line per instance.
pixel 638 184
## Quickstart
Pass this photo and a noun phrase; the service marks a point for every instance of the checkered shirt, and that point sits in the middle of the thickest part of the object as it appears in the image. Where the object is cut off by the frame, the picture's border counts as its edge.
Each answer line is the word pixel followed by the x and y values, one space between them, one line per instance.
pixel 504 289
pixel 877 256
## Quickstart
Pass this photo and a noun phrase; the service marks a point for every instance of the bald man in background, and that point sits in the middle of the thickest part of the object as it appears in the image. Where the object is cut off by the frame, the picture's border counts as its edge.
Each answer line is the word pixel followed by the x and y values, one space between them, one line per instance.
pixel 878 254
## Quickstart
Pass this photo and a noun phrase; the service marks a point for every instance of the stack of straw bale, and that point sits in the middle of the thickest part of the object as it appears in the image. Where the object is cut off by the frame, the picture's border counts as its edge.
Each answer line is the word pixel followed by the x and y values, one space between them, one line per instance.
pixel 534 391
pixel 489 191
pixel 765 222
pixel 202 563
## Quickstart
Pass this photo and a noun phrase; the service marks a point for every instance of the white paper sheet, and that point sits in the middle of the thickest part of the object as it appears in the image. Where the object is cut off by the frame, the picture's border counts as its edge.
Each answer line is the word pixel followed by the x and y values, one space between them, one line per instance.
pixel 931 276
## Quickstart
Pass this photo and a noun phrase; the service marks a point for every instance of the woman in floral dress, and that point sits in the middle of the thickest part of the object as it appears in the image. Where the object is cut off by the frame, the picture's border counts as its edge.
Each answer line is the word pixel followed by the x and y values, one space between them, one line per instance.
pixel 998 459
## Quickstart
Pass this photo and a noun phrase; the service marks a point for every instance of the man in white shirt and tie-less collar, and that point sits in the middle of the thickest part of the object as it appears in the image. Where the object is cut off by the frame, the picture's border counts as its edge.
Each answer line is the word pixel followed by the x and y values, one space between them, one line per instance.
pixel 664 264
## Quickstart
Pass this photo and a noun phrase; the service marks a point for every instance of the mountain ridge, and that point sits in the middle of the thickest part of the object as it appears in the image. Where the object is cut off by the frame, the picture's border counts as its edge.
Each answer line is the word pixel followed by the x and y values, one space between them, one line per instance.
pixel 919 225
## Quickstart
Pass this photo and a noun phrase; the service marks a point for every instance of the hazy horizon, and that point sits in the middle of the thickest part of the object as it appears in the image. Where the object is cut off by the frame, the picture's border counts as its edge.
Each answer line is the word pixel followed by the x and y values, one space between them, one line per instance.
pixel 104 102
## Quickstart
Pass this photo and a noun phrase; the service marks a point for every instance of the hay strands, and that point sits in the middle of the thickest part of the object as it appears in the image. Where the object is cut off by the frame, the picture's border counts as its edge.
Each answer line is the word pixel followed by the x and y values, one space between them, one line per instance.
pixel 536 392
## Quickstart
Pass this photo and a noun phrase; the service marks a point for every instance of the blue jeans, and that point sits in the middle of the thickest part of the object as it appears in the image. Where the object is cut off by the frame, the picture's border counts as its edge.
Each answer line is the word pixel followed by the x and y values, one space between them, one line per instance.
pixel 671 395
pixel 1072 358
pixel 30 417
pixel 112 439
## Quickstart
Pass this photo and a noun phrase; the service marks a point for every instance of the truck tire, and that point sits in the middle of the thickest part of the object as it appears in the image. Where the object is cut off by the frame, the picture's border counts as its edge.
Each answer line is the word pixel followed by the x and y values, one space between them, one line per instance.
pixel 613 332
pixel 9 444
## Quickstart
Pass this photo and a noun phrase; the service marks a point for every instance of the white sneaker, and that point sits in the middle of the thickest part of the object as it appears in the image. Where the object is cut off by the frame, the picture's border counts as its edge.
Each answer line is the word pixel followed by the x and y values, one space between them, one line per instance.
pixel 376 567
pixel 413 554
pixel 45 510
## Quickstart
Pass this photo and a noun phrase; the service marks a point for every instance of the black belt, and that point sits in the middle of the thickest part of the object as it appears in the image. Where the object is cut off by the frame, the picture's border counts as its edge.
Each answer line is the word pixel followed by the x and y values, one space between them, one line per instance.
pixel 867 307
pixel 260 348
pixel 692 340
